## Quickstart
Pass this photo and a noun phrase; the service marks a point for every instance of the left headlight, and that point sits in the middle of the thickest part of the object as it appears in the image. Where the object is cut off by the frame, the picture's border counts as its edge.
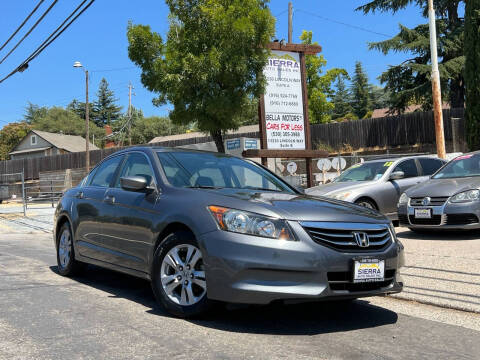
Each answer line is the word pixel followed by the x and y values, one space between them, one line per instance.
pixel 340 196
pixel 245 222
pixel 466 196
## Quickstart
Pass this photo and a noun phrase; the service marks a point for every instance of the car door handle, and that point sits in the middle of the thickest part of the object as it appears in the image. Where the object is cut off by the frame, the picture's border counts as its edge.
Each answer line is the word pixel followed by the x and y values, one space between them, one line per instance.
pixel 79 195
pixel 109 199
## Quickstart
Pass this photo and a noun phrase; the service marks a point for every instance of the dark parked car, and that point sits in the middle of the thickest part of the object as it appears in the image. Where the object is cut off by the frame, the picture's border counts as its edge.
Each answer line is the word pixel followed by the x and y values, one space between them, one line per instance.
pixel 449 200
pixel 206 226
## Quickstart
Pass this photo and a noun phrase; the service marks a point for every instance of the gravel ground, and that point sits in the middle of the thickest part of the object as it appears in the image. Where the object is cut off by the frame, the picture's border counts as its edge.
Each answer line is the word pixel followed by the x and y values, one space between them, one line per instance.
pixel 442 268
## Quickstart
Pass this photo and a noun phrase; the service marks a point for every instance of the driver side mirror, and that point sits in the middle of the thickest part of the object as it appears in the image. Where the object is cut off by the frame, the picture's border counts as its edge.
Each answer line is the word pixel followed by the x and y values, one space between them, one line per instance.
pixel 134 183
pixel 397 175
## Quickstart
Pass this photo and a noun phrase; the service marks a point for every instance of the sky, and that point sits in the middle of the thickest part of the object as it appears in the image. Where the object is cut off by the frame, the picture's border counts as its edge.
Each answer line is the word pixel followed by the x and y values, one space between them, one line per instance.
pixel 98 40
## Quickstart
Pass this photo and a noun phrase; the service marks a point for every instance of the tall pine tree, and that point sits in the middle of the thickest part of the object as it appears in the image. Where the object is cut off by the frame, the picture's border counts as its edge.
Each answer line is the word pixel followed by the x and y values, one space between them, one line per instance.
pixel 472 74
pixel 341 100
pixel 409 82
pixel 360 92
pixel 106 110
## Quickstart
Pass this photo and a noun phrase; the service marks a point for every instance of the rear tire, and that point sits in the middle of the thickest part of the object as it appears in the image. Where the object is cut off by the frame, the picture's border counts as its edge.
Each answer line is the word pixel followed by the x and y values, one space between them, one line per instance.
pixel 66 263
pixel 178 276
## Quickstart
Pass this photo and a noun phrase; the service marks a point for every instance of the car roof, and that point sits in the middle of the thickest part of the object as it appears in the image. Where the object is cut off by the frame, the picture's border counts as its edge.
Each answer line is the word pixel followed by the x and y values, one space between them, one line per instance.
pixel 395 159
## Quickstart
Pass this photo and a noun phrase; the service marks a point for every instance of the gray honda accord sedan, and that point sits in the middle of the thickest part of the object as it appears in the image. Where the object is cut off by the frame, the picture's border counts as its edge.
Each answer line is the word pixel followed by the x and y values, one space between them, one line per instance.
pixel 449 200
pixel 206 227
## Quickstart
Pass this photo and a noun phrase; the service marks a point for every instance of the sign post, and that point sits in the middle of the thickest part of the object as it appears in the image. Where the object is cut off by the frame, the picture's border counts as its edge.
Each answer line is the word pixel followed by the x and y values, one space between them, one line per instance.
pixel 283 109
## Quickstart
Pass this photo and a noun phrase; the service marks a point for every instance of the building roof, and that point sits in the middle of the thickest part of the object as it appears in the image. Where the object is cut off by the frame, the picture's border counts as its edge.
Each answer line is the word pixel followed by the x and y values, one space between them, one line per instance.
pixel 70 143
pixel 29 150
pixel 241 130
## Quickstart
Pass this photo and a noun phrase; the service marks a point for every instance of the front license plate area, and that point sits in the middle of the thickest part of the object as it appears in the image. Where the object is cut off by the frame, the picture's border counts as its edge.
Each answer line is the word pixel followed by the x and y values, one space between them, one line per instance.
pixel 423 213
pixel 368 270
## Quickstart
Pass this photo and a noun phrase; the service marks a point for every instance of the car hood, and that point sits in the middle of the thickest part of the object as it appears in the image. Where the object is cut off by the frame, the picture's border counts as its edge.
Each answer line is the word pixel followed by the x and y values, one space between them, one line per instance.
pixel 337 187
pixel 292 206
pixel 444 187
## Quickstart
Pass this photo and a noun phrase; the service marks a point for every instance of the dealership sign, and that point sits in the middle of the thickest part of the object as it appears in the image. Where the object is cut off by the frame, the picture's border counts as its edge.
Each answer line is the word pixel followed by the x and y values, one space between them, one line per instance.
pixel 284 106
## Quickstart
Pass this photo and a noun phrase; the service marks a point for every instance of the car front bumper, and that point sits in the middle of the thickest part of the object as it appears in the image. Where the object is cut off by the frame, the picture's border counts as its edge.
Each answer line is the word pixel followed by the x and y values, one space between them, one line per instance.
pixel 449 216
pixel 255 270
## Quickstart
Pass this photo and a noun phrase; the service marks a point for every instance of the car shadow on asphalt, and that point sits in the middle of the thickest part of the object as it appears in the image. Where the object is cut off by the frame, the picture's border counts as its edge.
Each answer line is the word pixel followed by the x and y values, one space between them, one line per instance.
pixel 274 319
pixel 439 235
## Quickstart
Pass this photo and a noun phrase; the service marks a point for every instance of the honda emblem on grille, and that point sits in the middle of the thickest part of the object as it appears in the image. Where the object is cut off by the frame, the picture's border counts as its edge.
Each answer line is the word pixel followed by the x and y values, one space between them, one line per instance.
pixel 361 239
pixel 426 201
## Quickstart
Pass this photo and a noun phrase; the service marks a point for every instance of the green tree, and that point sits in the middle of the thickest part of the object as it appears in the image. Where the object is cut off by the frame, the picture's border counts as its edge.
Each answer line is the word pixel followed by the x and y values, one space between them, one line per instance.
pixel 409 82
pixel 60 120
pixel 210 66
pixel 472 75
pixel 379 97
pixel 341 100
pixel 10 136
pixel 319 87
pixel 105 109
pixel 148 128
pixel 78 108
pixel 360 92
pixel 34 112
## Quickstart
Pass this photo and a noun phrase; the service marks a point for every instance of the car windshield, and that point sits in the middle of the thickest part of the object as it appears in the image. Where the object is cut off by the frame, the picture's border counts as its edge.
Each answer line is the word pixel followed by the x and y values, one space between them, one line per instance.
pixel 364 172
pixel 462 166
pixel 210 170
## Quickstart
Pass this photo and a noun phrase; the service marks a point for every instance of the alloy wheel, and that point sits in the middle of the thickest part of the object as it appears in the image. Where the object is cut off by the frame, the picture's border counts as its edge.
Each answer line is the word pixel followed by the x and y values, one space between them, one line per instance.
pixel 64 248
pixel 182 275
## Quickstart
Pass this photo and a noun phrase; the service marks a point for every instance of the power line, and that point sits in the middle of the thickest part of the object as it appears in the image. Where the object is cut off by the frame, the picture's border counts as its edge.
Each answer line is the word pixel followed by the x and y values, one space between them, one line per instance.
pixel 344 24
pixel 21 25
pixel 31 29
pixel 47 42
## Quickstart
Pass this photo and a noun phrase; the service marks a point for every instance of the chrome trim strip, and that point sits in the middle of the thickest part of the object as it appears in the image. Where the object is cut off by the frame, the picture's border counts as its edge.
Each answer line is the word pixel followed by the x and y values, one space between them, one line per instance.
pixel 330 225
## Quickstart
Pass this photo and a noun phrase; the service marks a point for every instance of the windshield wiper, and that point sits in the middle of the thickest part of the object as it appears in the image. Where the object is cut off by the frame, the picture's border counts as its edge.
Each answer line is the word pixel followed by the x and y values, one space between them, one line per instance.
pixel 260 188
pixel 204 187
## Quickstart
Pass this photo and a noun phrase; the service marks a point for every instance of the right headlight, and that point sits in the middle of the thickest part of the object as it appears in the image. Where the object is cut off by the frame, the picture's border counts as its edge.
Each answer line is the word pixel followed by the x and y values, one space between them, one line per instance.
pixel 466 196
pixel 403 199
pixel 245 222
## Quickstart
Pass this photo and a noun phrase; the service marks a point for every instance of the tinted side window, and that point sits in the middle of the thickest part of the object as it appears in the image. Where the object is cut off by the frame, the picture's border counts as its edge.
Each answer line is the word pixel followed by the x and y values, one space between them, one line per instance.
pixel 429 166
pixel 104 174
pixel 408 167
pixel 136 165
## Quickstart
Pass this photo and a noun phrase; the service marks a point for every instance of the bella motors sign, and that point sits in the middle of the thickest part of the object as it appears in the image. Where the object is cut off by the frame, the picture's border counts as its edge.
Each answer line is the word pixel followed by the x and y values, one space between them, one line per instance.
pixel 284 117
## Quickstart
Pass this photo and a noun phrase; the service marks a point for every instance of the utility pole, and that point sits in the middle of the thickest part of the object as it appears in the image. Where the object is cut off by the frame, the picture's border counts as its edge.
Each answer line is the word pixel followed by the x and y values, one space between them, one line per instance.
pixel 290 22
pixel 130 87
pixel 87 132
pixel 436 91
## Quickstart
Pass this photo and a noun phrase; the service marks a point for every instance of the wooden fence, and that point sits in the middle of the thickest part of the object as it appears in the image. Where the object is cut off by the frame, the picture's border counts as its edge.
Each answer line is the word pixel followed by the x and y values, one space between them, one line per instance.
pixel 392 131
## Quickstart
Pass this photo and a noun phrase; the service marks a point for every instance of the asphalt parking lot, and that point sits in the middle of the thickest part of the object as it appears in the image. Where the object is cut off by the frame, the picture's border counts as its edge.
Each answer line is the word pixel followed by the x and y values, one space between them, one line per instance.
pixel 103 314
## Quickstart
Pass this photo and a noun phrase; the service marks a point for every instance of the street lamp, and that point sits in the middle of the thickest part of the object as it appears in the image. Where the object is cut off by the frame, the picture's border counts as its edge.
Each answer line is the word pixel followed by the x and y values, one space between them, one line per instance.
pixel 77 64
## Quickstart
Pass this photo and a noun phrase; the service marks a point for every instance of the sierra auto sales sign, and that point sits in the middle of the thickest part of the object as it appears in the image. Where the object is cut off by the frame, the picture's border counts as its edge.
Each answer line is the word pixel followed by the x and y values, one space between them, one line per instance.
pixel 284 117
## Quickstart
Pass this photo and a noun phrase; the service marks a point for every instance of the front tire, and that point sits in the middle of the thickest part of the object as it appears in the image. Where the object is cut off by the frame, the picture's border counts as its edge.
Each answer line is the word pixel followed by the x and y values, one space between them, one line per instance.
pixel 178 276
pixel 66 263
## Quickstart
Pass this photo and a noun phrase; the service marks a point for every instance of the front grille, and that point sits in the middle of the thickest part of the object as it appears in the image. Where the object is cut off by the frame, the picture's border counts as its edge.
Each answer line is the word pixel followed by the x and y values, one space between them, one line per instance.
pixel 461 219
pixel 434 201
pixel 435 220
pixel 339 236
pixel 342 281
pixel 403 219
